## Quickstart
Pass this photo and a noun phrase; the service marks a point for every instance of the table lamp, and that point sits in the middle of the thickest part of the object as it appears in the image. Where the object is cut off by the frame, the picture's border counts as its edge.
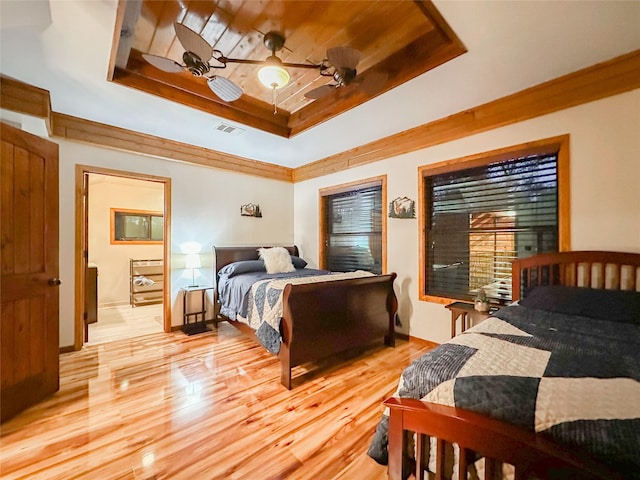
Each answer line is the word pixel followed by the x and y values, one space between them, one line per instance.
pixel 192 261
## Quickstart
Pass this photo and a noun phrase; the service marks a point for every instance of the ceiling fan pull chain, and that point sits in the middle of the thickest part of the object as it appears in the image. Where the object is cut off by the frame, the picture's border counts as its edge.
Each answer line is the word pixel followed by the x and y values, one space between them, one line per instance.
pixel 275 98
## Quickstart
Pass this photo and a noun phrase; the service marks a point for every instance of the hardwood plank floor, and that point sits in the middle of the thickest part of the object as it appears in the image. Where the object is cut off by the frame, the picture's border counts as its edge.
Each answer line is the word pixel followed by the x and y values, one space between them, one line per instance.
pixel 208 406
pixel 123 321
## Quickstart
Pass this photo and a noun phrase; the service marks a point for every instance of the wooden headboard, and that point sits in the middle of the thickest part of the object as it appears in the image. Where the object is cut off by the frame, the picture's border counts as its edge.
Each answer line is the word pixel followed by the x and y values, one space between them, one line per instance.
pixel 225 255
pixel 589 269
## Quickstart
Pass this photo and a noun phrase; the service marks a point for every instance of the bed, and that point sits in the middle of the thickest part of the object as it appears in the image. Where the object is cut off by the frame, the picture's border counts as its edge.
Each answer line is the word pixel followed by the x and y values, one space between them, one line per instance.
pixel 319 319
pixel 548 387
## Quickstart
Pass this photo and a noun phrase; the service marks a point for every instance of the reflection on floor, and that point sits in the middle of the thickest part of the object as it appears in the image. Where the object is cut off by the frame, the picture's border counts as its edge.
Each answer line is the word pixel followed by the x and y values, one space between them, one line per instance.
pixel 117 323
pixel 204 407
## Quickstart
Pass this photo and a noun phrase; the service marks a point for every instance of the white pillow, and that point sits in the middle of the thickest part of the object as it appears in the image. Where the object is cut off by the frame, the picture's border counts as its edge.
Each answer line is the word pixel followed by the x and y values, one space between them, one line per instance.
pixel 276 260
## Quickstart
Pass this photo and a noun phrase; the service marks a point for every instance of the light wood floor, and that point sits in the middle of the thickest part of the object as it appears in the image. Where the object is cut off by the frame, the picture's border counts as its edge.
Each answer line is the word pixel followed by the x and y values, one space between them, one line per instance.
pixel 124 321
pixel 209 406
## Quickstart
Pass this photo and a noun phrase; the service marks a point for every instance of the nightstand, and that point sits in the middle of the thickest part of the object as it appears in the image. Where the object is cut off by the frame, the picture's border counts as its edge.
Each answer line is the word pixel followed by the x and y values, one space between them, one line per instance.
pixel 468 315
pixel 199 324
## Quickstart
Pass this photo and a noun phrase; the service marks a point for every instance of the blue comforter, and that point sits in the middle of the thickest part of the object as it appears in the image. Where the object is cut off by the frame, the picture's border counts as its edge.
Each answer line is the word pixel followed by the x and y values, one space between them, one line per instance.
pixel 574 378
pixel 233 292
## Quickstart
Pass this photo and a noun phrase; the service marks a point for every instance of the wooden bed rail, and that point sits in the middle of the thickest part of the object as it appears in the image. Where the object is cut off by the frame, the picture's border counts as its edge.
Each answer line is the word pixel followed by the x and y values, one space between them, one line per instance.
pixel 590 269
pixel 498 442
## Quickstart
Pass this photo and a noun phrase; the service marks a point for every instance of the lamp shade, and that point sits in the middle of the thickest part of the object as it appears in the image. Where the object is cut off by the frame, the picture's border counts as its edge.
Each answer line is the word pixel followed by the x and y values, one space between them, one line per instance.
pixel 192 260
pixel 273 74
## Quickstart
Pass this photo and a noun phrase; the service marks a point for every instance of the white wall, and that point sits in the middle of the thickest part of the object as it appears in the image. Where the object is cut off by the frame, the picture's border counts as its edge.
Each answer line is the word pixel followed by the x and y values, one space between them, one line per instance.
pixel 605 193
pixel 205 209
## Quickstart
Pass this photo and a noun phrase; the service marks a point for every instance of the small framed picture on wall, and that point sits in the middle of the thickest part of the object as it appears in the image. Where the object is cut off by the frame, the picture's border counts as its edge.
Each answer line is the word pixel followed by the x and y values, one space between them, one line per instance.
pixel 250 210
pixel 402 207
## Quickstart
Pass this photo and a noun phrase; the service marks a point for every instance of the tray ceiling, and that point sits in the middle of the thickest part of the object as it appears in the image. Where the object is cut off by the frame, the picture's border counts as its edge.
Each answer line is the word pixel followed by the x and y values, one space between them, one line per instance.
pixel 398 41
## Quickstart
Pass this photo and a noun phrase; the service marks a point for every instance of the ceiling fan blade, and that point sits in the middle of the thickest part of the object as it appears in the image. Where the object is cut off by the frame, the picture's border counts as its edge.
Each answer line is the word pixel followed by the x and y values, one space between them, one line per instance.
pixel 192 42
pixel 163 63
pixel 373 83
pixel 224 88
pixel 320 92
pixel 343 57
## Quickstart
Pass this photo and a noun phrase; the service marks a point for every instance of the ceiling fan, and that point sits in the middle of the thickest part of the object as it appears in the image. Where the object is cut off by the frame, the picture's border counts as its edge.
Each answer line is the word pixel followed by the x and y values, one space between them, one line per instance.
pixel 200 59
pixel 344 61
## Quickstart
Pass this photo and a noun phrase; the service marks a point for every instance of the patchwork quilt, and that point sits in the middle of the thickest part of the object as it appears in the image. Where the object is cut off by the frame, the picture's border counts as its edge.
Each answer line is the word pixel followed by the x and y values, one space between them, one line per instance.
pixel 574 378
pixel 265 305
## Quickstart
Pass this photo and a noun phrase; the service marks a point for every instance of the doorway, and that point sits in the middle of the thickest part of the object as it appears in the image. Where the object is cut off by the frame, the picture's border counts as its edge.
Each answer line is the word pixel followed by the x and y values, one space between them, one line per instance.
pixel 98 243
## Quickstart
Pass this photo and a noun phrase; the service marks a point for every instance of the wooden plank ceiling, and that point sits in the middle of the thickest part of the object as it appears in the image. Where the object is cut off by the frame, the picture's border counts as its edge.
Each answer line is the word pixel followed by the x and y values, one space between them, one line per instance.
pixel 398 41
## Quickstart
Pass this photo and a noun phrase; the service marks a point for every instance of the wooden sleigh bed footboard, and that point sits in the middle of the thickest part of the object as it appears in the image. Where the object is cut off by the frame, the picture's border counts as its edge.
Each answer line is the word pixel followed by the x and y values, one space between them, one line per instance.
pixel 479 436
pixel 323 319
pixel 535 455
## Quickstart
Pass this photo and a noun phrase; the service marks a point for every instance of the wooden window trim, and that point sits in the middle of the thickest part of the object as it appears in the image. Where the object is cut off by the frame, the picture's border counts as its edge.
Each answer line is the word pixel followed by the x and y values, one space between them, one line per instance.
pixel 347 187
pixel 559 144
pixel 112 229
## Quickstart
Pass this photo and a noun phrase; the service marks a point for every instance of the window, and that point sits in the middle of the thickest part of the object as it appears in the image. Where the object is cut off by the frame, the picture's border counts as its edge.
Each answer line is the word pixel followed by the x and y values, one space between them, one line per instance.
pixel 482 212
pixel 136 227
pixel 353 227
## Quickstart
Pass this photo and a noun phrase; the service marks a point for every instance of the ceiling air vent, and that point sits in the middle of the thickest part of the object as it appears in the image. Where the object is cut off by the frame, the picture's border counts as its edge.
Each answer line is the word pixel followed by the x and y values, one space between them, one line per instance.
pixel 229 129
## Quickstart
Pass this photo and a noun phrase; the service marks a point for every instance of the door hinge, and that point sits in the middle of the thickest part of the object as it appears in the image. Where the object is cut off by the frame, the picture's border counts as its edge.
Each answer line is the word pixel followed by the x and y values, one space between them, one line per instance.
pixel 85 316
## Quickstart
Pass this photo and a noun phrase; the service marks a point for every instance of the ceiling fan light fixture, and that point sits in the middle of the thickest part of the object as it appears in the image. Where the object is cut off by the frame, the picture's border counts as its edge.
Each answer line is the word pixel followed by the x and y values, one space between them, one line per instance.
pixel 273 74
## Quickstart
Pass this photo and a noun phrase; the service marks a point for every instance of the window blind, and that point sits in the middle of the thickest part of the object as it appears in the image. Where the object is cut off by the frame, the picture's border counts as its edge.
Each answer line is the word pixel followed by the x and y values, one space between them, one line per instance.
pixel 481 219
pixel 353 230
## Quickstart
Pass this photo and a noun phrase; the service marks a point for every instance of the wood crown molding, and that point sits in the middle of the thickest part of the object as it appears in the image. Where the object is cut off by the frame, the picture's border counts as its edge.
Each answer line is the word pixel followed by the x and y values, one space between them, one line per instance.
pixel 618 75
pixel 615 76
pixel 85 131
pixel 23 98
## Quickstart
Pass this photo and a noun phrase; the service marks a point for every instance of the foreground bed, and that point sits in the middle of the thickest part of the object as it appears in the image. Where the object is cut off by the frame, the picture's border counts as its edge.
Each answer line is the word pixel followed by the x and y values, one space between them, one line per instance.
pixel 322 319
pixel 550 386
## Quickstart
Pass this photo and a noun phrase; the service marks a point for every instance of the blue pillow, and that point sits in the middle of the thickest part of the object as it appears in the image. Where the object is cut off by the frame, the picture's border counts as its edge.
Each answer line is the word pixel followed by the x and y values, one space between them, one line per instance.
pixel 298 262
pixel 613 305
pixel 245 266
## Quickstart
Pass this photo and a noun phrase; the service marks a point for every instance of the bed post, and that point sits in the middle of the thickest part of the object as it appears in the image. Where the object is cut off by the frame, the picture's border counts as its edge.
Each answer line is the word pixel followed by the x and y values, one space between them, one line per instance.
pixel 392 308
pixel 396 442
pixel 285 372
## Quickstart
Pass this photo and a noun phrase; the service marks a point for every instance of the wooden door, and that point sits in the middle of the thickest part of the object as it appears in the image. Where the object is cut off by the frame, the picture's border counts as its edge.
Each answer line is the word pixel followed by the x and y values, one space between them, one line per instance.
pixel 29 336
